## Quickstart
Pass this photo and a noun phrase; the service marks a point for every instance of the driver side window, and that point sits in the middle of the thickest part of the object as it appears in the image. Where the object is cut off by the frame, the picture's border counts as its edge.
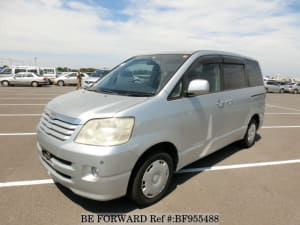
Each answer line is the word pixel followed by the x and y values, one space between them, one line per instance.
pixel 210 72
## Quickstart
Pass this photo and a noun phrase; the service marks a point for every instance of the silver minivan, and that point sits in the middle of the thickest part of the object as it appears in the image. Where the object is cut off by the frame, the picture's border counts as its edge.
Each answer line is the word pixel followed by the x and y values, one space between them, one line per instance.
pixel 149 117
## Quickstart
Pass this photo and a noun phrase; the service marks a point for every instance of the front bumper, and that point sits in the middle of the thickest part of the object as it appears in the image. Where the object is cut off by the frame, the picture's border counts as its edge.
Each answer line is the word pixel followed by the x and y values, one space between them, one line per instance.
pixel 71 164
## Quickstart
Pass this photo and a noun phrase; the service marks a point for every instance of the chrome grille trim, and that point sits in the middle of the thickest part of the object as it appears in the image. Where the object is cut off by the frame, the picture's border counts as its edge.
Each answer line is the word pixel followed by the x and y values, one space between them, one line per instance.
pixel 56 127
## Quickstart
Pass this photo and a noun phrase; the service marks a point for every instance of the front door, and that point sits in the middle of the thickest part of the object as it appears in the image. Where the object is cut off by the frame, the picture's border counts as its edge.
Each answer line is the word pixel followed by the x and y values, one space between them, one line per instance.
pixel 203 116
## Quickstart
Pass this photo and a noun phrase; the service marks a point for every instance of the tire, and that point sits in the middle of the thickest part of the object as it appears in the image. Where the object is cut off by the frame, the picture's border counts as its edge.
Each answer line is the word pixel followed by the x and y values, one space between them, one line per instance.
pixel 281 91
pixel 61 83
pixel 34 84
pixel 295 91
pixel 155 172
pixel 249 138
pixel 5 83
pixel 267 90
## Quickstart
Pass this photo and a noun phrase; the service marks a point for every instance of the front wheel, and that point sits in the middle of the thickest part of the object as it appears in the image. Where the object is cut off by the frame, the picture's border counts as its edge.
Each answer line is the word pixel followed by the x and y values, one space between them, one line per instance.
pixel 249 138
pixel 151 180
pixel 61 83
pixel 34 84
pixel 5 83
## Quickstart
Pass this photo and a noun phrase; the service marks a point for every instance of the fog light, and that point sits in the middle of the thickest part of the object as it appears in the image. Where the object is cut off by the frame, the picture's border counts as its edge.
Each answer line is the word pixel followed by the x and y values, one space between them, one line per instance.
pixel 95 171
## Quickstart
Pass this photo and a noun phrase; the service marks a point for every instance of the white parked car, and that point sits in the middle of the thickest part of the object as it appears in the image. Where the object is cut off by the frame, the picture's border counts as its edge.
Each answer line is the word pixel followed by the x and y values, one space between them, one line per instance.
pixel 95 76
pixel 25 78
pixel 293 88
pixel 273 86
pixel 68 79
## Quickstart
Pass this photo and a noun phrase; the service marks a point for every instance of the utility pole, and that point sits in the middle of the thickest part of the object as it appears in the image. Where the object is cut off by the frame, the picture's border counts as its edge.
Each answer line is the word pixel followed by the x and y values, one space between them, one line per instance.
pixel 35 60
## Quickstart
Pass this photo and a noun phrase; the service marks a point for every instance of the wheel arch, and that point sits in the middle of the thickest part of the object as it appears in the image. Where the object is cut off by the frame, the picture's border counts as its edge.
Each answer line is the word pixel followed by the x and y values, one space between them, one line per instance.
pixel 6 81
pixel 256 118
pixel 167 147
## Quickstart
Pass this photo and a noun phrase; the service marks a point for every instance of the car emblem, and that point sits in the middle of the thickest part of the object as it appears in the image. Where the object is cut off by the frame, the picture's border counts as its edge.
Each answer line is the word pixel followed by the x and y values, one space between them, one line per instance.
pixel 47 155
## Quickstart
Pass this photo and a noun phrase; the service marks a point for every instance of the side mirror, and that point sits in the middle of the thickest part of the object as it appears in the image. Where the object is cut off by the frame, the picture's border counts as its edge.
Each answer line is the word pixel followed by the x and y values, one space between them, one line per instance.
pixel 198 87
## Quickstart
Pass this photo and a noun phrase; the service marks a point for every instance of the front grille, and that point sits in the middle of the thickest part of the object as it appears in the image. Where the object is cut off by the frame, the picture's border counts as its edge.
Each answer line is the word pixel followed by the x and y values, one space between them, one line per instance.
pixel 57 127
pixel 58 172
pixel 45 152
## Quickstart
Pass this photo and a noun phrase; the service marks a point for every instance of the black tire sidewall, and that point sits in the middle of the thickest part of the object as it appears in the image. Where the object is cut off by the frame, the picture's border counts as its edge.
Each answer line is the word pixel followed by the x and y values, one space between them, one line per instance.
pixel 135 192
pixel 5 81
pixel 246 143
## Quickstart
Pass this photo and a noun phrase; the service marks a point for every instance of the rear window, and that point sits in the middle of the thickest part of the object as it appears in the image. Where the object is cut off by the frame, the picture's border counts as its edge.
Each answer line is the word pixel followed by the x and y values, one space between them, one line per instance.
pixel 254 74
pixel 234 76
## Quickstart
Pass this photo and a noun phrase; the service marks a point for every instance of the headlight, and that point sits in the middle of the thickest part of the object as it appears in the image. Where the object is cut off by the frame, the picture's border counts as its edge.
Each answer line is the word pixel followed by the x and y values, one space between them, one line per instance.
pixel 106 132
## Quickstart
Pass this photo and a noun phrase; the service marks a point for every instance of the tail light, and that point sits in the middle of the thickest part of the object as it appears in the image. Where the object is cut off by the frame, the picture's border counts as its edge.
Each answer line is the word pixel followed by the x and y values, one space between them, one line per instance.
pixel 290 86
pixel 44 78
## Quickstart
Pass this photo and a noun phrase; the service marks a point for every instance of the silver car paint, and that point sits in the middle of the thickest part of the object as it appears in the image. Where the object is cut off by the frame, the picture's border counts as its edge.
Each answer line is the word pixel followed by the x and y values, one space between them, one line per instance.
pixel 196 126
pixel 24 80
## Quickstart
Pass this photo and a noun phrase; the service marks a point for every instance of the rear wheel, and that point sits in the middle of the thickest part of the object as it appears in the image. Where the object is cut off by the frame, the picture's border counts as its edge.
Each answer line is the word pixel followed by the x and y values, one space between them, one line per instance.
pixel 281 91
pixel 34 84
pixel 5 83
pixel 151 180
pixel 249 138
pixel 296 91
pixel 61 83
pixel 267 90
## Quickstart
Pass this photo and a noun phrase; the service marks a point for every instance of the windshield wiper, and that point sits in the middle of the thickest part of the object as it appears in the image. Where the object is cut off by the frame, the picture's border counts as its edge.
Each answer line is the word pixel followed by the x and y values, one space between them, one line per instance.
pixel 106 91
pixel 138 94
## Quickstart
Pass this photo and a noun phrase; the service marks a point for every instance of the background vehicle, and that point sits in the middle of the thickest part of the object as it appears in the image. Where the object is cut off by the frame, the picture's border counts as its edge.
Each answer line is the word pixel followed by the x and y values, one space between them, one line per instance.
pixel 49 72
pixel 98 74
pixel 273 86
pixel 24 78
pixel 283 86
pixel 68 79
pixel 150 116
pixel 293 88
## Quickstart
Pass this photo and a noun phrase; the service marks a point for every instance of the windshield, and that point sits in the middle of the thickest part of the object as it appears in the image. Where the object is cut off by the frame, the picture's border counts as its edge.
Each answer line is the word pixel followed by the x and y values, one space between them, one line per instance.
pixel 141 75
pixel 99 73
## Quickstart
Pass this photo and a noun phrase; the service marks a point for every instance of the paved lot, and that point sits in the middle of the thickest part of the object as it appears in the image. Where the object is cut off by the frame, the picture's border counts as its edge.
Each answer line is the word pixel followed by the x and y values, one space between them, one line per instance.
pixel 253 195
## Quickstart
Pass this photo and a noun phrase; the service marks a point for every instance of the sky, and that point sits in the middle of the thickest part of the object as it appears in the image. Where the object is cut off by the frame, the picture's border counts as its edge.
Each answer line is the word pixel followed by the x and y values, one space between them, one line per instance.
pixel 102 33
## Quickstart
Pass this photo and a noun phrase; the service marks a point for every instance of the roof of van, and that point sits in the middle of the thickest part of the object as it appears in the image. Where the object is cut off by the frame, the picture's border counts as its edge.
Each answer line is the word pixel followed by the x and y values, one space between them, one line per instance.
pixel 204 52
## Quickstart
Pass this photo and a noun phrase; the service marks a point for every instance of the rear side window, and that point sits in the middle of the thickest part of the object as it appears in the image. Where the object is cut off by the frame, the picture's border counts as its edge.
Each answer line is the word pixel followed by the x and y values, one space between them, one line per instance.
pixel 254 73
pixel 33 71
pixel 48 71
pixel 20 70
pixel 234 76
pixel 72 75
pixel 272 83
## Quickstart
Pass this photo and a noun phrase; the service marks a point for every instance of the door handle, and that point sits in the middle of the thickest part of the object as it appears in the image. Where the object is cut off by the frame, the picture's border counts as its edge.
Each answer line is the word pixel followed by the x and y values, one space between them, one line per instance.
pixel 220 103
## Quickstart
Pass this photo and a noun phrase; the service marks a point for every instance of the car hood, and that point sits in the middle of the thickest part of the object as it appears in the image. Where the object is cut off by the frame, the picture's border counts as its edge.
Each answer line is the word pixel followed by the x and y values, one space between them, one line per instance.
pixel 84 105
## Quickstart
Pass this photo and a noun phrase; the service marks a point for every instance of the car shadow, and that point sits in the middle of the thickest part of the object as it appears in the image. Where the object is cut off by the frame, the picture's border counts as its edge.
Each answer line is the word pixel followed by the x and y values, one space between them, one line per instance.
pixel 123 205
pixel 210 161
